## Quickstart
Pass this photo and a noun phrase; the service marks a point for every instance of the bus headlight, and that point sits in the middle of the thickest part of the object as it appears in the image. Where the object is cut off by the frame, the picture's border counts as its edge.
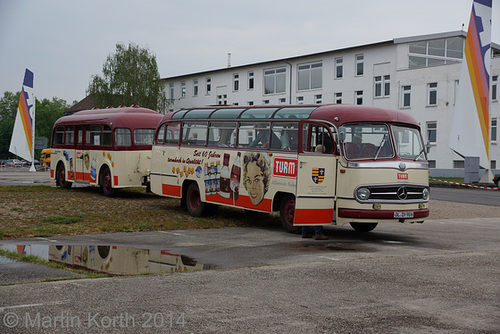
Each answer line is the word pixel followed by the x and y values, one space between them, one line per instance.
pixel 425 194
pixel 363 194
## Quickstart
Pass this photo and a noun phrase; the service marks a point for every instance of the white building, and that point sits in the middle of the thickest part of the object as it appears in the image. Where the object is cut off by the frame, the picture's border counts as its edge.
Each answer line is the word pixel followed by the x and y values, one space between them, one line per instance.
pixel 418 75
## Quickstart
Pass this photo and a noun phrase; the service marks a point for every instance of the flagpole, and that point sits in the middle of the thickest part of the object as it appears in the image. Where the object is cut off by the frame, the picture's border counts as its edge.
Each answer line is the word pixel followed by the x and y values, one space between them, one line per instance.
pixel 32 168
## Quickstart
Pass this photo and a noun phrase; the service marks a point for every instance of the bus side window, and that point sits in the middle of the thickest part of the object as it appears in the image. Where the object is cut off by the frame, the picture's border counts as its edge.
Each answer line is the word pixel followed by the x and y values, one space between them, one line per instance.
pixel 194 133
pixel 285 136
pixel 222 134
pixel 107 139
pixel 172 133
pixel 59 137
pixel 317 138
pixel 95 134
pixel 160 138
pixel 70 135
pixel 123 137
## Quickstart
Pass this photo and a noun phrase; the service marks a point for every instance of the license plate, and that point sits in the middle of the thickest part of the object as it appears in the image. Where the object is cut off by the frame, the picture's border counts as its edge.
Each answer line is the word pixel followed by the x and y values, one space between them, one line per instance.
pixel 403 214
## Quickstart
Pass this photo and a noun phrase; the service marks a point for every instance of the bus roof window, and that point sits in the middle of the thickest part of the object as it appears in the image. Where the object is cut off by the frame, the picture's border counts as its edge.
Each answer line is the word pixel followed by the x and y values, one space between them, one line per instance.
pixel 259 113
pixel 197 113
pixel 232 113
pixel 295 112
pixel 179 114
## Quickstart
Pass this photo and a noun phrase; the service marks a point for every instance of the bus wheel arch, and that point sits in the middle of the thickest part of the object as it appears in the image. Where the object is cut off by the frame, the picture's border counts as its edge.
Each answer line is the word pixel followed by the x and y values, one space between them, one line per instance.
pixel 61 176
pixel 106 181
pixel 287 213
pixel 363 227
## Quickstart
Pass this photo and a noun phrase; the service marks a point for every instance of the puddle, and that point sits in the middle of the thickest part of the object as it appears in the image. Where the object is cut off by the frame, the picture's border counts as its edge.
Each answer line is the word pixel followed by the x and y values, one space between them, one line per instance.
pixel 114 260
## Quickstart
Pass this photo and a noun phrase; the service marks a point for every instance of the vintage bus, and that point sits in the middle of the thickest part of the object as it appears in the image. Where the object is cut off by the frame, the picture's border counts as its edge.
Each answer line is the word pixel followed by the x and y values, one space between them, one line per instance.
pixel 109 148
pixel 315 164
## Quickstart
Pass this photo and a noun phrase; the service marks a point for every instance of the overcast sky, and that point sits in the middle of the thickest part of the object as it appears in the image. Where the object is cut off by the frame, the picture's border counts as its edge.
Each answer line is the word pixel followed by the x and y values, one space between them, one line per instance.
pixel 65 42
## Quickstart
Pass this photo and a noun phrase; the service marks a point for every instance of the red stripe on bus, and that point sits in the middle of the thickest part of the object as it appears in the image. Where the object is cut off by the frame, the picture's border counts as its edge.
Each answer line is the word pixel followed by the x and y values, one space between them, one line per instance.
pixel 171 190
pixel 313 216
pixel 116 180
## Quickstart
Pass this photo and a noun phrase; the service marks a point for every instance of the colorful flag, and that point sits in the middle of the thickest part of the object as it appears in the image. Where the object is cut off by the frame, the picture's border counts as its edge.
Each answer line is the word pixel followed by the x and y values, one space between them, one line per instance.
pixel 470 126
pixel 22 140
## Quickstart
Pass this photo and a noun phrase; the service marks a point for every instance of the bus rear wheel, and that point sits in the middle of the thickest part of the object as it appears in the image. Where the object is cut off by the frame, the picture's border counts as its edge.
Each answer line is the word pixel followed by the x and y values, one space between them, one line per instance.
pixel 287 214
pixel 363 227
pixel 61 177
pixel 106 183
pixel 195 206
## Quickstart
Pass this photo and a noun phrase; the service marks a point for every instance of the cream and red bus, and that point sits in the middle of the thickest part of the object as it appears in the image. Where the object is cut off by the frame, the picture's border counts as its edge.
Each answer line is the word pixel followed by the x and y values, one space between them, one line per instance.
pixel 315 164
pixel 109 148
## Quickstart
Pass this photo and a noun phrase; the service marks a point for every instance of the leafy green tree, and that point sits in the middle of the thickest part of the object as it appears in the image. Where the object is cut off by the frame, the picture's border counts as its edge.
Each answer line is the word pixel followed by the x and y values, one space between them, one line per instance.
pixel 130 76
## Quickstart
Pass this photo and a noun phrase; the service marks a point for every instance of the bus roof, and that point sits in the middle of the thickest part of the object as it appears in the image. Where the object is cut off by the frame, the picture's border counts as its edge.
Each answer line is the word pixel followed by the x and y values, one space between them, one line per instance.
pixel 131 117
pixel 336 113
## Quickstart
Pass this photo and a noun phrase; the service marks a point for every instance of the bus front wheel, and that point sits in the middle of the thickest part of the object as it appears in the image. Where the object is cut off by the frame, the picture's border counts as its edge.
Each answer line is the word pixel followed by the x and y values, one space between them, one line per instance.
pixel 287 214
pixel 195 206
pixel 106 183
pixel 363 227
pixel 61 177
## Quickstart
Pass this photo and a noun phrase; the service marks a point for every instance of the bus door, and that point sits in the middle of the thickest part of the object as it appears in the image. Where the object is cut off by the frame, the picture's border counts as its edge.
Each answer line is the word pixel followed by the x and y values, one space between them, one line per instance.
pixel 82 158
pixel 316 176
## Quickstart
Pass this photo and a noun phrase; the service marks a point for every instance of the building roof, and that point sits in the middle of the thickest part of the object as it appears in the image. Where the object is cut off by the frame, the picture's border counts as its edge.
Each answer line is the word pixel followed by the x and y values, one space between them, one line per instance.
pixel 85 104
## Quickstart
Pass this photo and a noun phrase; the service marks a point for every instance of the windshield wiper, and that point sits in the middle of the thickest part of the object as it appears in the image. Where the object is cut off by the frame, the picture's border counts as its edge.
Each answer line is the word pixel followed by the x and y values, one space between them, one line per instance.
pixel 380 146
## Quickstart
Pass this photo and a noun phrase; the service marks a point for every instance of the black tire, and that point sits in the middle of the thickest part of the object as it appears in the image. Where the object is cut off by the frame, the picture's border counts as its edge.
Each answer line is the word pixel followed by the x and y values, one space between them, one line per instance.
pixel 106 183
pixel 287 213
pixel 363 227
pixel 61 181
pixel 195 206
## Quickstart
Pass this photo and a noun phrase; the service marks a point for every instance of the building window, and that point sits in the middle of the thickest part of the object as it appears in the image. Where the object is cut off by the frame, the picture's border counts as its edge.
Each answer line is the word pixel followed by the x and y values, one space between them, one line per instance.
pixel 339 68
pixel 208 86
pixel 338 98
pixel 493 130
pixel 195 87
pixel 432 132
pixel 265 102
pixel 432 94
pixel 274 81
pixel 318 99
pixel 236 82
pixel 282 100
pixel 358 95
pixel 493 164
pixel 222 99
pixel 458 163
pixel 250 103
pixel 405 96
pixel 382 85
pixel 360 67
pixel 251 80
pixel 183 88
pixel 432 163
pixel 300 100
pixel 171 85
pixel 494 87
pixel 436 52
pixel 310 76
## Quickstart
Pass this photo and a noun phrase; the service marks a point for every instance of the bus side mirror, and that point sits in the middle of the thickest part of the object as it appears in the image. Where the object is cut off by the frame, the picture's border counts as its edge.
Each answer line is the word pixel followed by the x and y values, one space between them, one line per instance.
pixel 428 146
pixel 342 135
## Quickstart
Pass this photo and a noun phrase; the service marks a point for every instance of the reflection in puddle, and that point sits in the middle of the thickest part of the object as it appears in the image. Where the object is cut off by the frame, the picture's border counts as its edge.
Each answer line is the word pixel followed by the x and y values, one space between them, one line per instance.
pixel 115 260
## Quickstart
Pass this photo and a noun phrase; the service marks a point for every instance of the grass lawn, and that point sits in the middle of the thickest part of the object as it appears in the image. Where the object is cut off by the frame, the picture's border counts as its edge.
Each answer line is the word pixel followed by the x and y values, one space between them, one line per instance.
pixel 41 211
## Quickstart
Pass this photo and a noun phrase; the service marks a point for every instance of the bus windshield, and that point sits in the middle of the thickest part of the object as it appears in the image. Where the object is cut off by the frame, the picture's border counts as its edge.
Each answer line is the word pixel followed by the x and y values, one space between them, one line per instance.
pixel 367 141
pixel 373 141
pixel 409 143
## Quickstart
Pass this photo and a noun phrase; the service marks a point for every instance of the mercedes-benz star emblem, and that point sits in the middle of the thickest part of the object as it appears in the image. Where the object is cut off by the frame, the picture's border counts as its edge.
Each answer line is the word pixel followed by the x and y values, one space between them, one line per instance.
pixel 402 193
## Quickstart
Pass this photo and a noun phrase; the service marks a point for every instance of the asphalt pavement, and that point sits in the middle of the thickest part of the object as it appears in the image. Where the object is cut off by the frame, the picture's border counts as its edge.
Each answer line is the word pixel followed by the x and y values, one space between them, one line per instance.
pixel 441 276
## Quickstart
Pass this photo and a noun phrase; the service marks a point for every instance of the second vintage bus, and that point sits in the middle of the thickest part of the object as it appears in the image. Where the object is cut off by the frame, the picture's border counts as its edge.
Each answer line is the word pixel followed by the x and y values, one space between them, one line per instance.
pixel 109 148
pixel 316 165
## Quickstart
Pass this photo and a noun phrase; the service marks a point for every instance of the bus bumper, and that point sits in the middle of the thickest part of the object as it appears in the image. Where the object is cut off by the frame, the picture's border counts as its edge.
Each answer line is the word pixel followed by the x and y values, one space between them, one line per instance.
pixel 355 215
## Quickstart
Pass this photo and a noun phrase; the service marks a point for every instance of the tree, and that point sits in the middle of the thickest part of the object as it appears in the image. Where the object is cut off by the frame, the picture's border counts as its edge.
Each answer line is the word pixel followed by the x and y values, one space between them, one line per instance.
pixel 130 76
